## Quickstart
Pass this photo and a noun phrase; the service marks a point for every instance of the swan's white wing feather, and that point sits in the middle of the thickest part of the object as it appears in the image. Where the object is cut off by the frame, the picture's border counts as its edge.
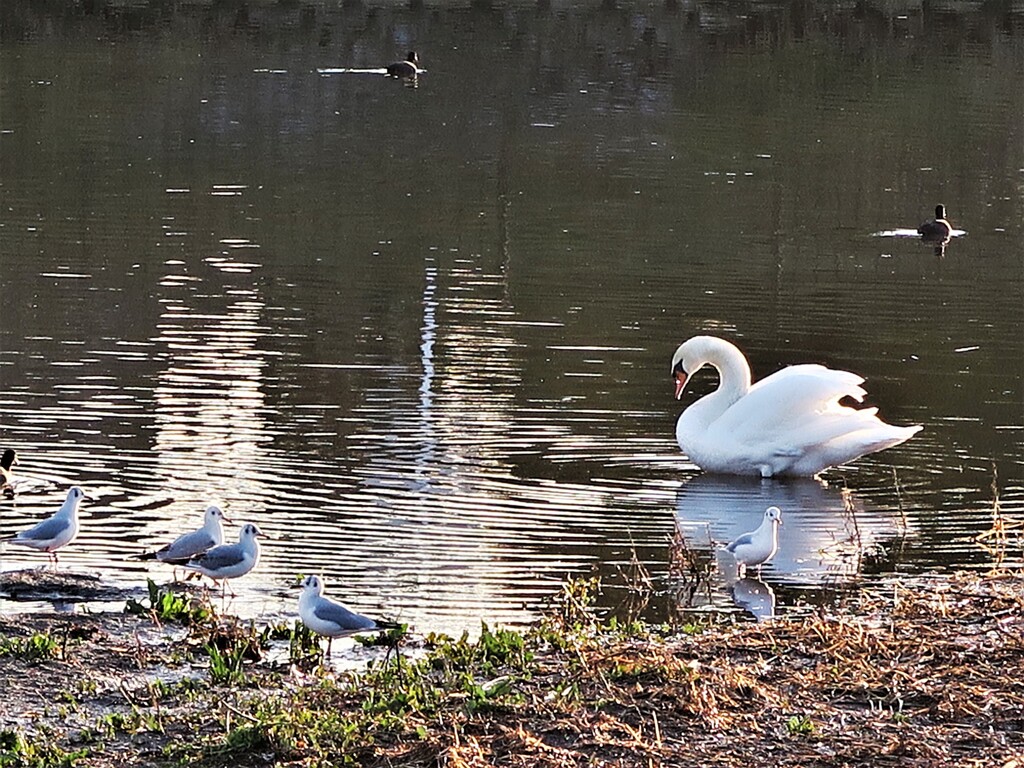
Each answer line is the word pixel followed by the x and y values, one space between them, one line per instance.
pixel 795 407
pixel 843 381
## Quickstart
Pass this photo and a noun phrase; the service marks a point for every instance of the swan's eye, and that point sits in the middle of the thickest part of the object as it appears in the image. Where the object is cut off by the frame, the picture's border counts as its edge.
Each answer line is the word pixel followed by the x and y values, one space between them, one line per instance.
pixel 678 368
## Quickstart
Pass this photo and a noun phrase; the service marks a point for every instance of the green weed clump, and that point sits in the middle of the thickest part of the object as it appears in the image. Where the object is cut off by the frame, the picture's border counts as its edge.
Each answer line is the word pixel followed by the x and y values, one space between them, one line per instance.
pixel 799 725
pixel 227 667
pixel 113 723
pixel 20 751
pixel 303 644
pixel 391 637
pixel 493 649
pixel 166 605
pixel 37 647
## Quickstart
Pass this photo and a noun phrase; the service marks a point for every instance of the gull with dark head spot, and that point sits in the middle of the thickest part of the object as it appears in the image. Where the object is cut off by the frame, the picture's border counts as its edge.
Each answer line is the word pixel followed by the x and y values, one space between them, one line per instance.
pixel 56 531
pixel 193 543
pixel 229 561
pixel 332 619
pixel 758 546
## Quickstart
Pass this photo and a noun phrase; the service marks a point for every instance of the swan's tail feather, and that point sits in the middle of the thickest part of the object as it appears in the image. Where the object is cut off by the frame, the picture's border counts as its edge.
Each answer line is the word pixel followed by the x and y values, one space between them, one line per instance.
pixel 851 446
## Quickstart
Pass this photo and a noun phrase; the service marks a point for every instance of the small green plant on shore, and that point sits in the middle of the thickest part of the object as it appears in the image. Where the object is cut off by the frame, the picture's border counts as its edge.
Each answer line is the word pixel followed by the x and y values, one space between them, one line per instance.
pixel 303 644
pixel 113 723
pixel 227 667
pixel 389 638
pixel 800 725
pixel 246 739
pixel 37 647
pixel 691 628
pixel 187 688
pixel 170 606
pixel 86 686
pixel 19 751
pixel 575 604
pixel 492 648
pixel 492 694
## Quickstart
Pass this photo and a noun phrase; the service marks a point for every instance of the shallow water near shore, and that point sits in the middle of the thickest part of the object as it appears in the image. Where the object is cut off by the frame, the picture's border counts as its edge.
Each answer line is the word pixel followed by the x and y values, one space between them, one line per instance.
pixel 422 335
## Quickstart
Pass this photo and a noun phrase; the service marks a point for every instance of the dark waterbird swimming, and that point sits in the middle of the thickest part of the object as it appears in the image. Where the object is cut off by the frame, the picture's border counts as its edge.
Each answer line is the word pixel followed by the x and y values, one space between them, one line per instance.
pixel 937 229
pixel 407 68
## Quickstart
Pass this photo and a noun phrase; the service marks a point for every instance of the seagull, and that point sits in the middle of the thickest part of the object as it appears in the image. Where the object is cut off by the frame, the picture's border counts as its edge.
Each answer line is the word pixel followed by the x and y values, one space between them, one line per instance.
pixel 332 619
pixel 758 546
pixel 8 460
pixel 229 561
pixel 57 530
pixel 188 545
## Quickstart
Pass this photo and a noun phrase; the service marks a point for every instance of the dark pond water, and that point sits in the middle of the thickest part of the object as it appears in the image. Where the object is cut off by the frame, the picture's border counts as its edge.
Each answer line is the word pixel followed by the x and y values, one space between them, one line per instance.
pixel 422 334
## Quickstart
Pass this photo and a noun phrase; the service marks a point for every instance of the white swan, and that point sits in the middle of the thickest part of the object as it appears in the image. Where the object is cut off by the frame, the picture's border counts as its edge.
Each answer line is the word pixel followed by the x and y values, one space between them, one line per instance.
pixel 790 423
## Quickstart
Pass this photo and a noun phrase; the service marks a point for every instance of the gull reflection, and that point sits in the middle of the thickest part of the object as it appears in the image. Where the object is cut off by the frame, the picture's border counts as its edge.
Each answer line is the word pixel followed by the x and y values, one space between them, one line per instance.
pixel 755 597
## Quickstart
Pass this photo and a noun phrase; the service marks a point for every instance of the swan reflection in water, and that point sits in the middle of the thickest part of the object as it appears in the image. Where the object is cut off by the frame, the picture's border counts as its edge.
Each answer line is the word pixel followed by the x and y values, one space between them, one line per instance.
pixel 827 532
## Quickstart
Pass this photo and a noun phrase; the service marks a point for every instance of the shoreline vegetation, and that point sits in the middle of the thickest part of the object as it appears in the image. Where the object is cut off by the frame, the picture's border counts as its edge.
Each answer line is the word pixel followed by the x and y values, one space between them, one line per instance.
pixel 927 671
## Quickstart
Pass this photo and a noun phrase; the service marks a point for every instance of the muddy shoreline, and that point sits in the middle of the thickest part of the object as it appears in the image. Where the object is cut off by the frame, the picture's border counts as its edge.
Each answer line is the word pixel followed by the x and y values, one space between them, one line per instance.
pixel 928 672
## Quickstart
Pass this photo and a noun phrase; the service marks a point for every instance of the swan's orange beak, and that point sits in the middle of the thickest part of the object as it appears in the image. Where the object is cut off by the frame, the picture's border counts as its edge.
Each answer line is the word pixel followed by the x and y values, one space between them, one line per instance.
pixel 680 383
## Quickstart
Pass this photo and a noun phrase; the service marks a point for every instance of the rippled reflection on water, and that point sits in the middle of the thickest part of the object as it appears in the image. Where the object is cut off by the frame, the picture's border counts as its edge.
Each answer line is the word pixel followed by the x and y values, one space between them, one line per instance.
pixel 422 336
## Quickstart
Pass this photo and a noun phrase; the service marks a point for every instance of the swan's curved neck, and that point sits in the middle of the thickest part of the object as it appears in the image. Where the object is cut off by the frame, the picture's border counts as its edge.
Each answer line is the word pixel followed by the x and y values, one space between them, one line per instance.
pixel 733 369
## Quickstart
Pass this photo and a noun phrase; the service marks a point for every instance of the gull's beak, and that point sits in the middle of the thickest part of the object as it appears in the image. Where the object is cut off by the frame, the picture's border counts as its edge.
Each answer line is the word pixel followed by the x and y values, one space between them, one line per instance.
pixel 680 383
pixel 225 518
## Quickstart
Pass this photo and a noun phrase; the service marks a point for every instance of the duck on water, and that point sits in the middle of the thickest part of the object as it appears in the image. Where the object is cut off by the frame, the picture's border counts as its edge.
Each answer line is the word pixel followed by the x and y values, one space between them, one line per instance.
pixel 937 229
pixel 407 68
